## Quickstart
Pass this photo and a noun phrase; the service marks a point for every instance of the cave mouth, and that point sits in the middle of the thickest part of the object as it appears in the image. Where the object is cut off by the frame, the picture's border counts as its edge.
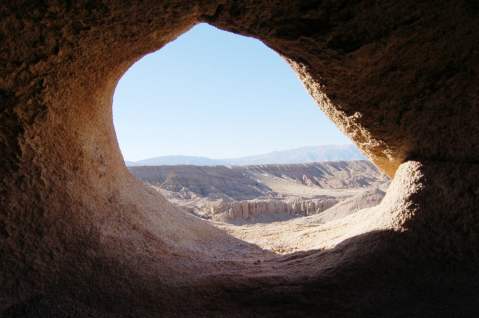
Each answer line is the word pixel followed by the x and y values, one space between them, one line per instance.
pixel 81 236
pixel 235 98
pixel 211 93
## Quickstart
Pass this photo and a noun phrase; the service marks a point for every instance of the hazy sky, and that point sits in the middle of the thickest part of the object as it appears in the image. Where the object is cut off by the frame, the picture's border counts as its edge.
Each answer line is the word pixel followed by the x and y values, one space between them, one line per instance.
pixel 215 94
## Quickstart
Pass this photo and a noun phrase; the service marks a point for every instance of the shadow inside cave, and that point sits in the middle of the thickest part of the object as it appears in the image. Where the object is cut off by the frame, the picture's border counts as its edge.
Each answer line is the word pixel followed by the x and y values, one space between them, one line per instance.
pixel 340 282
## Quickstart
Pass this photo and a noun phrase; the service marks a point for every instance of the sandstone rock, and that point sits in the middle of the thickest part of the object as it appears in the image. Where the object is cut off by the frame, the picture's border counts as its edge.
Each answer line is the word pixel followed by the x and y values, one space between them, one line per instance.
pixel 79 236
pixel 238 211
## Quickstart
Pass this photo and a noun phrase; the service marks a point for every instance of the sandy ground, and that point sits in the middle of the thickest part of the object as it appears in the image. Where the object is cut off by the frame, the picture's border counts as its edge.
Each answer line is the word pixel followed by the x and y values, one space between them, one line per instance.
pixel 319 231
pixel 281 233
pixel 299 234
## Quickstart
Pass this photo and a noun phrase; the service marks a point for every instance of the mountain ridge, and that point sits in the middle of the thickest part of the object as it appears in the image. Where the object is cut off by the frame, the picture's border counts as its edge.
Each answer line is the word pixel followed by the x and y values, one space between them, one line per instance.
pixel 308 154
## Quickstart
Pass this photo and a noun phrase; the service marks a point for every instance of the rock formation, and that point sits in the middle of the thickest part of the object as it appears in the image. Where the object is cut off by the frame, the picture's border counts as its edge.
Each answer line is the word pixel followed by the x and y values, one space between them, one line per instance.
pixel 252 210
pixel 251 193
pixel 80 237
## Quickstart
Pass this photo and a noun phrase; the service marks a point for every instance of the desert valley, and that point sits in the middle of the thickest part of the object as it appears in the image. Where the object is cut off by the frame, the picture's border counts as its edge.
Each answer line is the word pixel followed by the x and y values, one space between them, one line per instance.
pixel 274 206
pixel 233 220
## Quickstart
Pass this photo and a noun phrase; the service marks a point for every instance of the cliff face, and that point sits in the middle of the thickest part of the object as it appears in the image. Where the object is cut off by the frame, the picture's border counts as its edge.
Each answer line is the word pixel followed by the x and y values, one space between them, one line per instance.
pixel 268 210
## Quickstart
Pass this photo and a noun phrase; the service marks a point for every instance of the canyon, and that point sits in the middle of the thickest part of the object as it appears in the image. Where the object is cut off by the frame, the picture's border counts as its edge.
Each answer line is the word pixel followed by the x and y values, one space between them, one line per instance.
pixel 239 199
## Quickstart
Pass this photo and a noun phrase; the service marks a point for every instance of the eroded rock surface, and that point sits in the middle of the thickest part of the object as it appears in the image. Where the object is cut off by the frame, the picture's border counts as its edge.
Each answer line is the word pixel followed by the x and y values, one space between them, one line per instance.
pixel 80 237
pixel 268 210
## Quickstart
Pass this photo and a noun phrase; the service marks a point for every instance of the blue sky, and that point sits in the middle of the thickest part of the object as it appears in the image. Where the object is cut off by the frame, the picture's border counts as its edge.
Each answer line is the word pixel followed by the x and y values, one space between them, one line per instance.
pixel 215 94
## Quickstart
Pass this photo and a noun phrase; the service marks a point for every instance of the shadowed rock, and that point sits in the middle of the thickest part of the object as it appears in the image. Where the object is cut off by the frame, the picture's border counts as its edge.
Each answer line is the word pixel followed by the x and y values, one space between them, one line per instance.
pixel 81 237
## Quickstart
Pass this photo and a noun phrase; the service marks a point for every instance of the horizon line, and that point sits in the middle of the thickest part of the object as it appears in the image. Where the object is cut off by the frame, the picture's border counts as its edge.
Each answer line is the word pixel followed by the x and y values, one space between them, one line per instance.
pixel 239 157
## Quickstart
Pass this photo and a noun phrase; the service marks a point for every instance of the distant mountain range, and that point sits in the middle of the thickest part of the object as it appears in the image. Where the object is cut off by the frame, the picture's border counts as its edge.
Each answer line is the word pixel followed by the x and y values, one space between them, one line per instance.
pixel 292 156
pixel 176 160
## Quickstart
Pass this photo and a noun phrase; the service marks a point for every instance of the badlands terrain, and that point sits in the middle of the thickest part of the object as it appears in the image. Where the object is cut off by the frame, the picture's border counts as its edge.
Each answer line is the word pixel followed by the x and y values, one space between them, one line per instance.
pixel 282 208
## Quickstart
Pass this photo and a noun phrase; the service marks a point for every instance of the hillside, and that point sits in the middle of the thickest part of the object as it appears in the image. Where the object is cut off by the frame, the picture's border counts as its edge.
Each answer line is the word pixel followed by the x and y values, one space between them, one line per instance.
pixel 264 193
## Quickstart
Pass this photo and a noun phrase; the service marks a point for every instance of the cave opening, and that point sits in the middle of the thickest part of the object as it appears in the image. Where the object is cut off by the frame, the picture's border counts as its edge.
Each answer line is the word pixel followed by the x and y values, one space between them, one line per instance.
pixel 220 125
pixel 81 236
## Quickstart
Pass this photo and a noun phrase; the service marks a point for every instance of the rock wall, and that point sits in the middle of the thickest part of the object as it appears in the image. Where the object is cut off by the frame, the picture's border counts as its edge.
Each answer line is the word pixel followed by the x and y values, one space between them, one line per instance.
pixel 80 237
pixel 255 209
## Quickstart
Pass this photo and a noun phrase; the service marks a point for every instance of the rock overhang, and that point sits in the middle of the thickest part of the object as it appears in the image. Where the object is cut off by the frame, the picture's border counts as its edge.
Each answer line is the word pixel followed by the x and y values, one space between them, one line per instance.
pixel 387 74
